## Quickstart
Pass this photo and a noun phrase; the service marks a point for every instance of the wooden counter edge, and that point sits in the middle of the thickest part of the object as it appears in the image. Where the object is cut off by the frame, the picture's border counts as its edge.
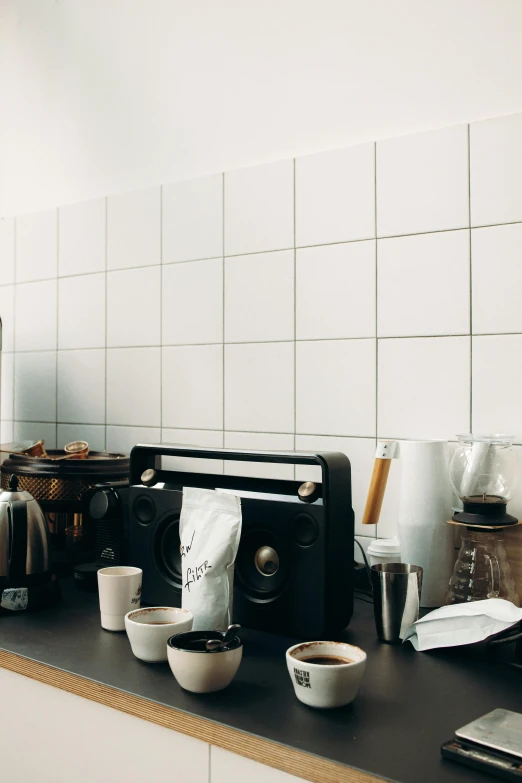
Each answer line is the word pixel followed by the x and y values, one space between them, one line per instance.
pixel 272 754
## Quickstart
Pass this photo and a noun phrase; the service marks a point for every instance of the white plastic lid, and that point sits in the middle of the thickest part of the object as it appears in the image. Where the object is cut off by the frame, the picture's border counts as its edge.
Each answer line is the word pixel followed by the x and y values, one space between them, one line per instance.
pixel 385 546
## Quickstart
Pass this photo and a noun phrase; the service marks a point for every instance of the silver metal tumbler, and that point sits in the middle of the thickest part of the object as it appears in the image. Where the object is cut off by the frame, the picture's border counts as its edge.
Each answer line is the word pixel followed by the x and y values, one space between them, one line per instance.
pixel 396 599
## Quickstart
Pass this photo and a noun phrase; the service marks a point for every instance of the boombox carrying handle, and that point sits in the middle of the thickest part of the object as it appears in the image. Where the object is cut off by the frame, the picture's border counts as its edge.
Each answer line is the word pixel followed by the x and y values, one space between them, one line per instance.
pixel 335 466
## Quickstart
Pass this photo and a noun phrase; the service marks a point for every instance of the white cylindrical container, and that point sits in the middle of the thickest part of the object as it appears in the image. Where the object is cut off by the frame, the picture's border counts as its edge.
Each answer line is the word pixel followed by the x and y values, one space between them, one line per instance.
pixel 425 504
pixel 384 550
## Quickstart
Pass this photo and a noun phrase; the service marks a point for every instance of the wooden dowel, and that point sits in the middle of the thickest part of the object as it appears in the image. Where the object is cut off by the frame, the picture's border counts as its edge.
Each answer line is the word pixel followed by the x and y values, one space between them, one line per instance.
pixel 372 510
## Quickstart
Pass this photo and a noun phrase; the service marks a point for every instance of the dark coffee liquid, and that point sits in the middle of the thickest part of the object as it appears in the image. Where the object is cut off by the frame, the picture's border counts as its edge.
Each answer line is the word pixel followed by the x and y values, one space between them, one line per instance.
pixel 327 660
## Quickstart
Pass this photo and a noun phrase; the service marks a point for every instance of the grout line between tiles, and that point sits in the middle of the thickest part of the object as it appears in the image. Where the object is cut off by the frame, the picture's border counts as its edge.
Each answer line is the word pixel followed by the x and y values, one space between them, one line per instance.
pixel 470 290
pixel 161 315
pixel 295 310
pixel 223 388
pixel 106 253
pixel 57 321
pixel 376 301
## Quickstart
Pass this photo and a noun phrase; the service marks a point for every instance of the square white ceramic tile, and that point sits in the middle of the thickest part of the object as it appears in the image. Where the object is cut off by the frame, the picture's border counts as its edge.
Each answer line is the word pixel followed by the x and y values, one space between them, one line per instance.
pixel 36 246
pixel 259 297
pixel 360 452
pixel 36 430
pixel 35 316
pixel 192 394
pixel 134 229
pixel 336 387
pixel 94 434
pixel 7 250
pixel 133 307
pixel 335 196
pixel 133 386
pixel 193 219
pixel 496 255
pixel 224 765
pixel 335 291
pixel 259 387
pixel 496 170
pixel 192 302
pixel 423 285
pixel 81 311
pixel 422 182
pixel 81 387
pixel 259 441
pixel 424 387
pixel 7 386
pixel 6 434
pixel 35 386
pixel 212 439
pixel 497 380
pixel 81 237
pixel 259 208
pixel 7 309
pixel 123 439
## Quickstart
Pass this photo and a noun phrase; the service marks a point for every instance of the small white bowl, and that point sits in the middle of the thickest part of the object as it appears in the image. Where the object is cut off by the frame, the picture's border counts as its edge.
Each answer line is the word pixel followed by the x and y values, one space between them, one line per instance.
pixel 149 630
pixel 325 686
pixel 200 670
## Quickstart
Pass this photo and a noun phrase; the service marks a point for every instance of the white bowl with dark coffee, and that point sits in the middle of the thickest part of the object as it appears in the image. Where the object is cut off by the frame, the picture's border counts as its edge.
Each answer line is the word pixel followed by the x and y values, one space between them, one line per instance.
pixel 326 674
pixel 149 630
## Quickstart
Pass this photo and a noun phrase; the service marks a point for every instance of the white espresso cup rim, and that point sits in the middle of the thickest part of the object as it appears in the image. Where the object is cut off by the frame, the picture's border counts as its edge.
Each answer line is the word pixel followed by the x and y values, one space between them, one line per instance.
pixel 302 646
pixel 127 571
pixel 144 610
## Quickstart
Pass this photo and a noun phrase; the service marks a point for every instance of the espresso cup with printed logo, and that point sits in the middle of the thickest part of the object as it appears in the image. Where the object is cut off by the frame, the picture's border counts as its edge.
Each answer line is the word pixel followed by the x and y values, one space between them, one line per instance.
pixel 119 588
pixel 325 674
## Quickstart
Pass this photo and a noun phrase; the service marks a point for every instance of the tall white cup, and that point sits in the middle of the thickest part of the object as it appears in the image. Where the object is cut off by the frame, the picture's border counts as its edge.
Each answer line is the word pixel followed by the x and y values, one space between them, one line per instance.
pixel 119 588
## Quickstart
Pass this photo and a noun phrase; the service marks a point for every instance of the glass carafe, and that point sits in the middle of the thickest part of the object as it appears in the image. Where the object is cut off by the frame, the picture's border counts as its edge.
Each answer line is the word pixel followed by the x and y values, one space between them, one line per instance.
pixel 482 569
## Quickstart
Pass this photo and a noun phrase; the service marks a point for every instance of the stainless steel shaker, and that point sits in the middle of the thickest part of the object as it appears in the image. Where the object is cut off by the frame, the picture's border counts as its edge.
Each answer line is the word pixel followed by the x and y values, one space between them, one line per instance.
pixel 396 599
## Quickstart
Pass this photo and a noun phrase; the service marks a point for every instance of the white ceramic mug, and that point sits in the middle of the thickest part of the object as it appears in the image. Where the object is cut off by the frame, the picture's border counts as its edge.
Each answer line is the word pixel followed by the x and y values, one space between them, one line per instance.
pixel 119 588
pixel 201 671
pixel 150 629
pixel 320 685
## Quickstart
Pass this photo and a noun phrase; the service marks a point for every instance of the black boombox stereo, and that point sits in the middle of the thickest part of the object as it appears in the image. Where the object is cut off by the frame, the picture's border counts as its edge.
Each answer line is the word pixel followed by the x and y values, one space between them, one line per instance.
pixel 294 566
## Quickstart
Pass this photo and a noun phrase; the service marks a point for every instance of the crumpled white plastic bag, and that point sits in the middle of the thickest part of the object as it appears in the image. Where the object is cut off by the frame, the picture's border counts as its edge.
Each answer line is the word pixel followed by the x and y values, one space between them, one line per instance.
pixel 210 528
pixel 451 626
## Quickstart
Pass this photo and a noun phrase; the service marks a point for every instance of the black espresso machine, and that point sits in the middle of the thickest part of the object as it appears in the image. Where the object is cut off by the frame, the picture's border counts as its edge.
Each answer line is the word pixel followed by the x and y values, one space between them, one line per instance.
pixel 294 566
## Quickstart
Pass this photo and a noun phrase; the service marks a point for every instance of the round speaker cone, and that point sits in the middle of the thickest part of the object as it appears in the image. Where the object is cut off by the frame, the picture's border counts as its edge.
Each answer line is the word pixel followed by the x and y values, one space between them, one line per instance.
pixel 262 563
pixel 167 550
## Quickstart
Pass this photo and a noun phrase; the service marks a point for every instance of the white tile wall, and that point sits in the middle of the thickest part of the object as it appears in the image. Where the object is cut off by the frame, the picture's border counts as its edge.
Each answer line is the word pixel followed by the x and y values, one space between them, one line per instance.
pixel 193 219
pixel 36 246
pixel 496 171
pixel 335 196
pixel 192 387
pixel 259 208
pixel 192 302
pixel 81 387
pixel 328 304
pixel 134 229
pixel 315 303
pixel 81 311
pixel 7 251
pixel 423 182
pixel 82 238
pixel 423 285
pixel 36 316
pixel 133 307
pixel 255 286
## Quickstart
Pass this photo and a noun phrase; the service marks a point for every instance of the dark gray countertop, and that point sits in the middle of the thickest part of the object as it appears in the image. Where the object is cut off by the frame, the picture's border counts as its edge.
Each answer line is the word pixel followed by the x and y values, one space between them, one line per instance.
pixel 408 704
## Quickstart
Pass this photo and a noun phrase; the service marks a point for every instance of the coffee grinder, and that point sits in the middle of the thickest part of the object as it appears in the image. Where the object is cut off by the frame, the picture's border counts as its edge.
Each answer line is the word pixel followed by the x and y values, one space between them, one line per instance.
pixel 484 475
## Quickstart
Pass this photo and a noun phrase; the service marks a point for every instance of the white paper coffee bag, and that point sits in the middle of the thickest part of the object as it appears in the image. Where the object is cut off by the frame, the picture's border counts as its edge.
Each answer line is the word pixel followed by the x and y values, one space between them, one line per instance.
pixel 210 528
